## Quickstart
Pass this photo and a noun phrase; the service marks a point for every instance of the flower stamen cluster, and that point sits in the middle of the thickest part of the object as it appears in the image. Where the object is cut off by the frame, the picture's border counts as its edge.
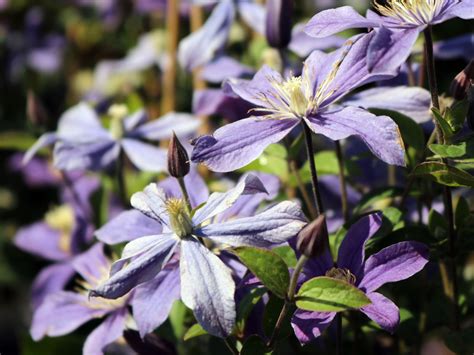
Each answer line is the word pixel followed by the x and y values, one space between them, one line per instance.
pixel 410 12
pixel 180 220
pixel 341 274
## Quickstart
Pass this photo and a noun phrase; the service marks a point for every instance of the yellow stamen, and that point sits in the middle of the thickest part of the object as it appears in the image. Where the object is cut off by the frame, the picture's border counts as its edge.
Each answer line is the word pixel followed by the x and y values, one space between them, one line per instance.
pixel 62 219
pixel 341 274
pixel 410 12
pixel 180 219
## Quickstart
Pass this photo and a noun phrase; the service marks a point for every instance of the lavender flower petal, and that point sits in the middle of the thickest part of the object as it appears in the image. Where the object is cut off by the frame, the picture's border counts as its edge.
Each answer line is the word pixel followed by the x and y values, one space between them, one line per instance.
pixel 207 288
pixel 152 301
pixel 43 141
pixel 380 133
pixel 144 156
pixel 91 264
pixel 394 263
pixel 152 203
pixel 310 325
pixel 106 333
pixel 128 225
pixel 237 144
pixel 273 226
pixel 351 253
pixel 163 127
pixel 382 311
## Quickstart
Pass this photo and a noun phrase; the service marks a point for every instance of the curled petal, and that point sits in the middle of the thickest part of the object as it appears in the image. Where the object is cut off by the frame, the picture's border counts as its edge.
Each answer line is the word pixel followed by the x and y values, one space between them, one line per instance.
pixel 151 202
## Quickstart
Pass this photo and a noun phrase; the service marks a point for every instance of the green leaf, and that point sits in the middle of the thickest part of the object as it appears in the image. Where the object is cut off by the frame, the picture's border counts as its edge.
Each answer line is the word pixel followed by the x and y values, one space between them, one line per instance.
pixel 449 150
pixel 271 315
pixel 377 199
pixel 268 267
pixel 462 212
pixel 444 174
pixel 325 294
pixel 461 342
pixel 412 133
pixel 195 331
pixel 254 345
pixel 271 161
pixel 17 141
pixel 456 115
pixel 443 124
pixel 287 254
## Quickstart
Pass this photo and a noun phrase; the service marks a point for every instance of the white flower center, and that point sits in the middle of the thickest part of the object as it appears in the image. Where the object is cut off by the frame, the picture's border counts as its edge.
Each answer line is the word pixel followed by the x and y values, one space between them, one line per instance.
pixel 412 12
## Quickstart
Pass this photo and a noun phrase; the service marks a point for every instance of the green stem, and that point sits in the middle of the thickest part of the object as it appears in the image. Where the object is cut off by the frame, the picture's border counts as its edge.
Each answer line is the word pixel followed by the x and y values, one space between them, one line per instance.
pixel 312 165
pixel 120 171
pixel 342 182
pixel 447 197
pixel 184 191
pixel 290 298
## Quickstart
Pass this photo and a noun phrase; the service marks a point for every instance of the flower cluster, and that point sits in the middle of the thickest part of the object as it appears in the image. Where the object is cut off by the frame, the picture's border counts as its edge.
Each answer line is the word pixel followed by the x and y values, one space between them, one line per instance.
pixel 312 172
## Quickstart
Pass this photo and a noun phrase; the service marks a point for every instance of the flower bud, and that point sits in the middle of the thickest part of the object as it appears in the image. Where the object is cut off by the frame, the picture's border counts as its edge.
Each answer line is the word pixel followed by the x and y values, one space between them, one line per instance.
pixel 313 239
pixel 35 110
pixel 278 23
pixel 178 160
pixel 462 82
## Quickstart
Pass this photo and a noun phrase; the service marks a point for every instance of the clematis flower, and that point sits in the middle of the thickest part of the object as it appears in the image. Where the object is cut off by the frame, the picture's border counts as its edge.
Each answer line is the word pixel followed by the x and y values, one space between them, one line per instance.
pixel 394 263
pixel 285 103
pixel 59 238
pixel 207 286
pixel 399 23
pixel 64 311
pixel 83 143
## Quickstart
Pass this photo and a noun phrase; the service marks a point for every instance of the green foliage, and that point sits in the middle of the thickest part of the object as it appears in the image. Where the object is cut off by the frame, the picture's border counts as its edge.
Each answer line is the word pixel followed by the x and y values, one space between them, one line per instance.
pixel 444 174
pixel 268 267
pixel 254 345
pixel 195 331
pixel 325 294
pixel 271 161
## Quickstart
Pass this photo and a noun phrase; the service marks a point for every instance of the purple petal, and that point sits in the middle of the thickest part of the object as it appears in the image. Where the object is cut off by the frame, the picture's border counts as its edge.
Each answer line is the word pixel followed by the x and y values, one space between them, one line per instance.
pixel 415 102
pixel 380 133
pixel 135 120
pixel 274 226
pixel 81 124
pixel 394 263
pixel 40 239
pixel 351 253
pixel 162 128
pixel 152 203
pixel 43 141
pixel 93 156
pixel 254 90
pixel 91 264
pixel 253 14
pixel 128 225
pixel 310 325
pixel 195 185
pixel 106 333
pixel 144 156
pixel 219 202
pixel 223 68
pixel 302 44
pixel 332 21
pixel 215 102
pixel 142 268
pixel 50 279
pixel 214 33
pixel 388 49
pixel 456 47
pixel 382 311
pixel 237 144
pixel 207 288
pixel 61 313
pixel 152 301
pixel 463 9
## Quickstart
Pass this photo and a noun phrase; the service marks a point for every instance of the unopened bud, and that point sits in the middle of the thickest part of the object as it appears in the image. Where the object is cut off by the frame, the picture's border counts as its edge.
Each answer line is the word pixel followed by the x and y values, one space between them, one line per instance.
pixel 178 160
pixel 313 239
pixel 35 110
pixel 278 23
pixel 462 82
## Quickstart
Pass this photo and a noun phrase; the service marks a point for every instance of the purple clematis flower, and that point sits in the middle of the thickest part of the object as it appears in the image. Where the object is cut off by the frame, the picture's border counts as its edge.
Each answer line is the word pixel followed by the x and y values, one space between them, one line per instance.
pixel 59 238
pixel 394 263
pixel 399 23
pixel 207 286
pixel 83 143
pixel 285 103
pixel 64 311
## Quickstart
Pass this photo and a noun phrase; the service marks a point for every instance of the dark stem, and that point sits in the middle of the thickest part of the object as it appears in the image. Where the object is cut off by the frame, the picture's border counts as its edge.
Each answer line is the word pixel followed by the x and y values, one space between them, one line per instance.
pixel 448 201
pixel 120 172
pixel 302 188
pixel 312 166
pixel 290 298
pixel 339 333
pixel 342 181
